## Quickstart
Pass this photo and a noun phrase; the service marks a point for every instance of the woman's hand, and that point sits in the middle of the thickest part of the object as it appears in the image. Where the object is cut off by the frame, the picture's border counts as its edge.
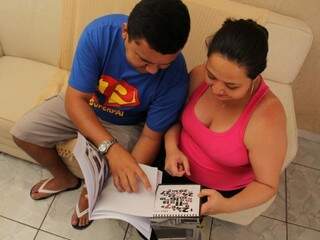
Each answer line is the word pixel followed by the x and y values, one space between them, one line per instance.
pixel 177 164
pixel 215 203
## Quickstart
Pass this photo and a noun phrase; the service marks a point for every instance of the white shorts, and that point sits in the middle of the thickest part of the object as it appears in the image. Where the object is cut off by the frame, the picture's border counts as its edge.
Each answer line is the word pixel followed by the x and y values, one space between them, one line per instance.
pixel 48 124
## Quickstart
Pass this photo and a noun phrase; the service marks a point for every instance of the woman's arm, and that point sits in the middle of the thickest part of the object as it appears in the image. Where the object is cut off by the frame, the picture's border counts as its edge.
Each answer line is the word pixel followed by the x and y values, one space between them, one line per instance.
pixel 266 141
pixel 171 138
pixel 176 163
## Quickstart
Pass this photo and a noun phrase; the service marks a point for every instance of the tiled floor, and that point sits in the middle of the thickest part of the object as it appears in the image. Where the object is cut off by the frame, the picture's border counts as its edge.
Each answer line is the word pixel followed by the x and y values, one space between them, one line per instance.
pixel 295 215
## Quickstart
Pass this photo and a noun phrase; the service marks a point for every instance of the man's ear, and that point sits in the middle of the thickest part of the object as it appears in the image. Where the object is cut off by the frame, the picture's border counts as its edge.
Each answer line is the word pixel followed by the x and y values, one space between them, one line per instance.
pixel 124 31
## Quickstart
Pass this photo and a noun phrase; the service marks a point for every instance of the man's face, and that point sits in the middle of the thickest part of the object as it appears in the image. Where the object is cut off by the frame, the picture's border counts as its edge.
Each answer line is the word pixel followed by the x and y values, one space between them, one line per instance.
pixel 142 57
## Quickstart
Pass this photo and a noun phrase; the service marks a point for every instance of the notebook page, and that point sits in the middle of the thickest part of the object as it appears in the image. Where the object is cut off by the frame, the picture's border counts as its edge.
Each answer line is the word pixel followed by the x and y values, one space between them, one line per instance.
pixel 177 201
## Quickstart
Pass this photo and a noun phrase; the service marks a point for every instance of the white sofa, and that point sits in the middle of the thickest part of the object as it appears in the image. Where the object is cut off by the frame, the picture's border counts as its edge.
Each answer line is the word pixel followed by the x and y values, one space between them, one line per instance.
pixel 38 38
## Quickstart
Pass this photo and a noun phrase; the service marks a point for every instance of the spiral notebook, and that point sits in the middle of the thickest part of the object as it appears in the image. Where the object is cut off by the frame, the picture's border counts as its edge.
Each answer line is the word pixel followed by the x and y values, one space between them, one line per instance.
pixel 179 200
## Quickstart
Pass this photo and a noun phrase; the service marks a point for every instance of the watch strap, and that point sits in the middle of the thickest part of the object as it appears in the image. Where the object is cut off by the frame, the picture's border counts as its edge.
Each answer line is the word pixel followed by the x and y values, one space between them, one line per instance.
pixel 105 145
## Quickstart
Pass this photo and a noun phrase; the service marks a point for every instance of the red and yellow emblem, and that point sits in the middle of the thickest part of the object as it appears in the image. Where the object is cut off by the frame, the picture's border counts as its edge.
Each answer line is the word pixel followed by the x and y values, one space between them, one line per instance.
pixel 118 92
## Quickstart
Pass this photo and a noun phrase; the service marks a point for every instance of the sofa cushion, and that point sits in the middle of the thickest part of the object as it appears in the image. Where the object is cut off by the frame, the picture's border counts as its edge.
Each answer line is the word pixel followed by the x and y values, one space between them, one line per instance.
pixel 6 143
pixel 22 85
pixel 22 81
pixel 31 29
pixel 284 59
pixel 289 39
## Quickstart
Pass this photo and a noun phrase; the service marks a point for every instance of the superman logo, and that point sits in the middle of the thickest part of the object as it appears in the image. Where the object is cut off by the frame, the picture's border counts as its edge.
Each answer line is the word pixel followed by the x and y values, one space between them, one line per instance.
pixel 117 93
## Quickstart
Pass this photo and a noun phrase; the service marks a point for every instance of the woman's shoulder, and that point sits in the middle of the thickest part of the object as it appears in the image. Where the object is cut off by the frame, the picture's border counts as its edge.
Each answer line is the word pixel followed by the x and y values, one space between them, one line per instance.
pixel 269 107
pixel 197 76
pixel 266 132
pixel 268 116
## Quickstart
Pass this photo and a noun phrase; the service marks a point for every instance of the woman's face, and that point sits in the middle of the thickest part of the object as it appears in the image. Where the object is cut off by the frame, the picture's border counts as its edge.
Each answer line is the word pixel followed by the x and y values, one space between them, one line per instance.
pixel 227 79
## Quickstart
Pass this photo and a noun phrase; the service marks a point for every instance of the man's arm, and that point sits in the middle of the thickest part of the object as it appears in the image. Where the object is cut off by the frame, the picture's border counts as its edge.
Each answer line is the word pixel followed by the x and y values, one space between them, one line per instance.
pixel 82 115
pixel 147 146
pixel 123 166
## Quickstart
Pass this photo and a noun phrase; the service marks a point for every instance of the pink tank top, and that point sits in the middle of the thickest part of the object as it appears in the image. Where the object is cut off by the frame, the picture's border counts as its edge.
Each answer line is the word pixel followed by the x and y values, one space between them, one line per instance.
pixel 218 160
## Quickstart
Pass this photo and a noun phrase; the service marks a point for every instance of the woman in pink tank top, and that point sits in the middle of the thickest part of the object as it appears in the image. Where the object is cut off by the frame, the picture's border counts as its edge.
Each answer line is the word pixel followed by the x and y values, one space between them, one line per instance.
pixel 232 135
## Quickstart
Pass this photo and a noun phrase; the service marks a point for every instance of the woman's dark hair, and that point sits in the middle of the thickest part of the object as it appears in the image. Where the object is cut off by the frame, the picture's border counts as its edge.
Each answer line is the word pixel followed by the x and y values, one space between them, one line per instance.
pixel 244 42
pixel 164 24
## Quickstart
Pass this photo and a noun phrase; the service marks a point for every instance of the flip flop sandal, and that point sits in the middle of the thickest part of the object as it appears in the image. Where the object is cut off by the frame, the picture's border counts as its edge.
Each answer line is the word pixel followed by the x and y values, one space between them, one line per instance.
pixel 53 192
pixel 81 214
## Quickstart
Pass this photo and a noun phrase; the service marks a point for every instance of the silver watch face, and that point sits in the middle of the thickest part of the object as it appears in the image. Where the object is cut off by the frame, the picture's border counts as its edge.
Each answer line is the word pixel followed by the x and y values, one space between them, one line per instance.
pixel 105 145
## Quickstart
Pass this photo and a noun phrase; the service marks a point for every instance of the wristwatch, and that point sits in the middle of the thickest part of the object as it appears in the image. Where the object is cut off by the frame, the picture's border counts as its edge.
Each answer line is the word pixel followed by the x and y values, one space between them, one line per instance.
pixel 104 146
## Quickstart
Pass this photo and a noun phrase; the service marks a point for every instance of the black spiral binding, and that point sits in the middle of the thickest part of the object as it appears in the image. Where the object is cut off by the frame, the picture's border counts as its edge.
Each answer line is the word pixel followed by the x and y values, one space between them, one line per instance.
pixel 159 215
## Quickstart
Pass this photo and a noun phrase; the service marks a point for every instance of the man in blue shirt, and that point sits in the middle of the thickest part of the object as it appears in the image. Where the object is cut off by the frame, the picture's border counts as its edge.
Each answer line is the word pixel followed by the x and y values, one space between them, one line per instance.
pixel 128 84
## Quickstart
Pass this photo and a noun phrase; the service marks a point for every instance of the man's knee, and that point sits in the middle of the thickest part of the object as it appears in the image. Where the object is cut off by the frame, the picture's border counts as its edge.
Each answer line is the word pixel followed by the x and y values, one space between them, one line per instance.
pixel 16 140
pixel 20 143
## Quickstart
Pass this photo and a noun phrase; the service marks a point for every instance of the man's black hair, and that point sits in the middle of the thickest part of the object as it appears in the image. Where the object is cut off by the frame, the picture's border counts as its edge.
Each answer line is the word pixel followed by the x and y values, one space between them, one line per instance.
pixel 244 42
pixel 164 24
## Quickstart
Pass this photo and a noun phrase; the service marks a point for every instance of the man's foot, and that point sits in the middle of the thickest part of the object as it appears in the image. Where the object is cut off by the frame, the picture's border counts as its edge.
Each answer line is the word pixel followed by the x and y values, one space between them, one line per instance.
pixel 80 217
pixel 49 187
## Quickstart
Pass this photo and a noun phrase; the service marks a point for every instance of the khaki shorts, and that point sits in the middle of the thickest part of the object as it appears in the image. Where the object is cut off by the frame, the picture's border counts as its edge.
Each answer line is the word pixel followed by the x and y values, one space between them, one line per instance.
pixel 48 124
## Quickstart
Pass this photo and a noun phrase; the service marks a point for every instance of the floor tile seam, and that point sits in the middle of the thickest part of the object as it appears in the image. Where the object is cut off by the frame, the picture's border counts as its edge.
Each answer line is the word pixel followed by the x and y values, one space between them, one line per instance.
pixel 288 222
pixel 46 214
pixel 35 236
pixel 211 229
pixel 305 166
pixel 125 234
pixel 40 230
pixel 303 226
pixel 273 218
pixel 16 221
pixel 286 202
pixel 314 139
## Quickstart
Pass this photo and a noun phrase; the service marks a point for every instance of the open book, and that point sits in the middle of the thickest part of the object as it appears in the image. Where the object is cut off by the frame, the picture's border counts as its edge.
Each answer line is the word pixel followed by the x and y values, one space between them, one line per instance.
pixel 135 208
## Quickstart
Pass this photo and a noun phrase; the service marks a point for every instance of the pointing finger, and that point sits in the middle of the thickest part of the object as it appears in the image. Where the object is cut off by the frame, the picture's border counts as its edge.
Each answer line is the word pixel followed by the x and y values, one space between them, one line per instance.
pixel 143 177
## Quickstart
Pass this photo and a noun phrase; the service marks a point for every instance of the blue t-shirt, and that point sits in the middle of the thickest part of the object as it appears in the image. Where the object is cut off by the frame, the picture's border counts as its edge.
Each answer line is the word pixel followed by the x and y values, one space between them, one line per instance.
pixel 121 94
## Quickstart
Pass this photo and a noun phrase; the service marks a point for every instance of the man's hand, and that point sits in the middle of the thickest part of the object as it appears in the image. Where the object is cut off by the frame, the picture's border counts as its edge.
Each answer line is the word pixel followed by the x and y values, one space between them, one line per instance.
pixel 125 170
pixel 177 164
pixel 215 203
